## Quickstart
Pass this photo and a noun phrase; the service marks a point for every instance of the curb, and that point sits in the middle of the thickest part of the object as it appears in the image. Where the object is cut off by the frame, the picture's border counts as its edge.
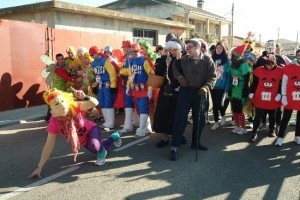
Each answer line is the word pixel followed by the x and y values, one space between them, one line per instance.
pixel 21 121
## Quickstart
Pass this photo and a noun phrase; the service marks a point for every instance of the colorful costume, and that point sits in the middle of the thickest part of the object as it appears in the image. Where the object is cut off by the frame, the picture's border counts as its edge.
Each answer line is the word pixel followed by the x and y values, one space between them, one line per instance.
pixel 137 86
pixel 106 78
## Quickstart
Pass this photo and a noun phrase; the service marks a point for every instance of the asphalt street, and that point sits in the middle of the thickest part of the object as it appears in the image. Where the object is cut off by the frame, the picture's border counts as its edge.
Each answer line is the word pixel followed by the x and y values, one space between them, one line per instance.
pixel 230 169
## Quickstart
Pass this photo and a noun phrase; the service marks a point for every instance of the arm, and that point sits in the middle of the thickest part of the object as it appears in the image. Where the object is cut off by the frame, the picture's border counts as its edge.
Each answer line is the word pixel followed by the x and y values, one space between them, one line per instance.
pixel 47 150
pixel 90 102
pixel 254 84
pixel 112 74
pixel 211 76
pixel 63 74
pixel 284 85
pixel 149 70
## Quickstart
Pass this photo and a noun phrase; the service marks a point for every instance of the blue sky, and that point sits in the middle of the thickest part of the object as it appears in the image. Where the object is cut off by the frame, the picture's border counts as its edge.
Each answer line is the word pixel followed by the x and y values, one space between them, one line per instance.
pixel 266 17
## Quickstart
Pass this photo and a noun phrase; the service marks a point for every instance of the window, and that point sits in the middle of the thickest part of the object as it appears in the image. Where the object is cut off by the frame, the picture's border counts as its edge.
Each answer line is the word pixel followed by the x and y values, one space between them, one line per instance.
pixel 148 35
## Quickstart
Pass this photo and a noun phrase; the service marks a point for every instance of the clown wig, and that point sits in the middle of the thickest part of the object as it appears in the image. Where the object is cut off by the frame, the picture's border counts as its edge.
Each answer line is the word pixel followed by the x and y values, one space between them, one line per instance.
pixel 53 93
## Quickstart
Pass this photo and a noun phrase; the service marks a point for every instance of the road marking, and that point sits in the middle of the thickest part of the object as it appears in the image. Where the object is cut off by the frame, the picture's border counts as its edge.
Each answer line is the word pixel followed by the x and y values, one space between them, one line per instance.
pixel 131 144
pixel 38 183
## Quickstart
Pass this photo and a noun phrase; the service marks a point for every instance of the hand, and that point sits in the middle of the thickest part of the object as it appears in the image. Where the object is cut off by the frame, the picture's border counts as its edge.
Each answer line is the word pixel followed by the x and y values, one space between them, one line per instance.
pixel 278 97
pixel 251 95
pixel 113 90
pixel 150 94
pixel 79 94
pixel 225 96
pixel 36 173
pixel 182 82
pixel 284 101
pixel 127 92
pixel 203 91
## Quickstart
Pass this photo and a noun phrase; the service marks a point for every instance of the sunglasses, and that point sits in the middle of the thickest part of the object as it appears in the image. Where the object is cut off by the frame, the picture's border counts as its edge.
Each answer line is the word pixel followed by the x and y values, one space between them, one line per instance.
pixel 133 51
pixel 203 46
pixel 92 55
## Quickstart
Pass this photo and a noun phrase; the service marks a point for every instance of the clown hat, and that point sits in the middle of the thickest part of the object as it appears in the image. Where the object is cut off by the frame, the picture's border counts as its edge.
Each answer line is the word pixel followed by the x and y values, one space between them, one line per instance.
pixel 94 50
pixel 126 43
pixel 240 50
pixel 136 47
pixel 108 48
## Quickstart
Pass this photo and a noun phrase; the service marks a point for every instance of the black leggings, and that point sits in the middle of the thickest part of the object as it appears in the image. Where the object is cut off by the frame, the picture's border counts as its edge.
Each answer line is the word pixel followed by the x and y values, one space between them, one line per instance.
pixel 259 113
pixel 277 116
pixel 285 120
pixel 216 96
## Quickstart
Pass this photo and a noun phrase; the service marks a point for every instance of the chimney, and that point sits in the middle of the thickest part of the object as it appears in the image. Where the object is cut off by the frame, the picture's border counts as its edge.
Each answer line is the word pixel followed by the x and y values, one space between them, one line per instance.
pixel 200 4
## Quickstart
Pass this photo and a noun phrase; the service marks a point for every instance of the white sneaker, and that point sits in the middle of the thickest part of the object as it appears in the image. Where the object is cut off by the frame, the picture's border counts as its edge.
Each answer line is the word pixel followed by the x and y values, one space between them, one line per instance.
pixel 223 121
pixel 215 126
pixel 235 129
pixel 101 158
pixel 241 131
pixel 122 131
pixel 118 143
pixel 279 142
pixel 297 139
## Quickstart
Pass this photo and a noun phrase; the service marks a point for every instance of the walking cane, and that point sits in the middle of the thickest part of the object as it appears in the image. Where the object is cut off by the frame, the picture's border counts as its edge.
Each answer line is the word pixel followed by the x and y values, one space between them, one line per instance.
pixel 197 136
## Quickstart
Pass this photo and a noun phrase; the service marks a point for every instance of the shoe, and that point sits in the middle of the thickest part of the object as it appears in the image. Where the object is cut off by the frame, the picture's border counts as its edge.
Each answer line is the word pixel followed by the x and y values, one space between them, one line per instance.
pixel 136 136
pixel 118 143
pixel 235 129
pixel 262 127
pixel 223 121
pixel 162 143
pixel 122 131
pixel 106 128
pixel 173 155
pixel 200 147
pixel 297 139
pixel 183 140
pixel 101 157
pixel 272 134
pixel 241 131
pixel 253 138
pixel 279 142
pixel 215 126
pixel 232 123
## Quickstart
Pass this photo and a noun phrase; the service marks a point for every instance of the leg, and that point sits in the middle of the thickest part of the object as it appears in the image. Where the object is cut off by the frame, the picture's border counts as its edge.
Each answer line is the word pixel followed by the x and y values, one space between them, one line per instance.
pixel 272 122
pixel 285 120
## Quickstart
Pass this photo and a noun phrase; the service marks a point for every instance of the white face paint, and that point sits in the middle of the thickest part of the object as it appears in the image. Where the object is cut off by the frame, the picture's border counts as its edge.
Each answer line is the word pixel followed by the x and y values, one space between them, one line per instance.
pixel 59 106
pixel 270 46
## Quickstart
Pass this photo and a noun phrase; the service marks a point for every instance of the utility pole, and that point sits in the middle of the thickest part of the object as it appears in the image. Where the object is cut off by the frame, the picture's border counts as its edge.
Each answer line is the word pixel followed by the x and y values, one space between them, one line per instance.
pixel 232 15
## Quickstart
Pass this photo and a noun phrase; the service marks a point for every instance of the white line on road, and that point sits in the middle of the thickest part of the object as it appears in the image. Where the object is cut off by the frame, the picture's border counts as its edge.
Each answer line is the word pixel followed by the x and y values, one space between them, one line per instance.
pixel 131 144
pixel 38 183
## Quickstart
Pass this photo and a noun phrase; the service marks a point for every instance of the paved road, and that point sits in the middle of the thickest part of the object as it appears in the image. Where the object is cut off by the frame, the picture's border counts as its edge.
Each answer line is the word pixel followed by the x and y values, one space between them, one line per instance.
pixel 231 168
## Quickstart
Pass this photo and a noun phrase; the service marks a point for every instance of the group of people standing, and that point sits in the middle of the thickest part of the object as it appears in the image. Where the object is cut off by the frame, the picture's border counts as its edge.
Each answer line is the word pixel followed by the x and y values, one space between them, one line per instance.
pixel 191 72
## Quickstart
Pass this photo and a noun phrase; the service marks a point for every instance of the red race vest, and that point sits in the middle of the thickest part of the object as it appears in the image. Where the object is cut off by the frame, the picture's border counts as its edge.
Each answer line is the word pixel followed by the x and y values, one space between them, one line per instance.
pixel 293 86
pixel 267 88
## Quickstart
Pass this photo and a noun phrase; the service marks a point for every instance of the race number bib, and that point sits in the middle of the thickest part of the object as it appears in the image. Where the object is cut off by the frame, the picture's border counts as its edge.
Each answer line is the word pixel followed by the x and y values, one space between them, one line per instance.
pixel 235 80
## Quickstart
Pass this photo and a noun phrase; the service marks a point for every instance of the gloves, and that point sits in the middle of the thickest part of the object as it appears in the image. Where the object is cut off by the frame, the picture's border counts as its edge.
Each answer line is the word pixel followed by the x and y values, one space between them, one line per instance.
pixel 113 90
pixel 225 96
pixel 251 95
pixel 284 101
pixel 203 91
pixel 127 92
pixel 150 94
pixel 278 97
pixel 182 81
